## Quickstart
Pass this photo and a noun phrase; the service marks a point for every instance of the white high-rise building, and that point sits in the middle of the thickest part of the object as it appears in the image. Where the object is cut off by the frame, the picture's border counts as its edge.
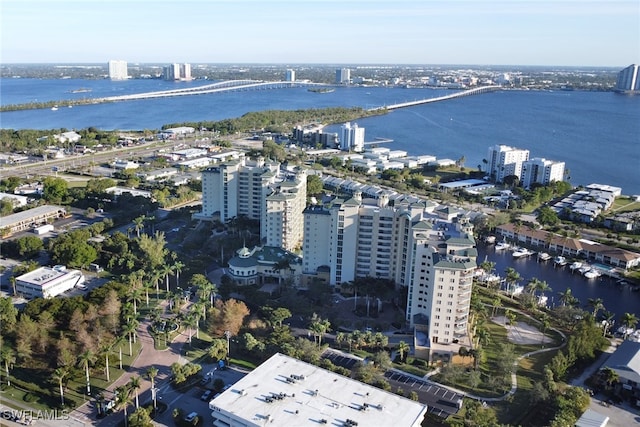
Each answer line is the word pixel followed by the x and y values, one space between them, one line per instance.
pixel 290 75
pixel 343 76
pixel 541 171
pixel 503 161
pixel 118 70
pixel 351 138
pixel 237 187
pixel 629 79
pixel 282 225
pixel 177 72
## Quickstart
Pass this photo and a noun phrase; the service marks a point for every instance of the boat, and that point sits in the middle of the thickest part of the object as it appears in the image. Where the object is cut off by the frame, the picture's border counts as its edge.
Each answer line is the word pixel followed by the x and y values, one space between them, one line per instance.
pixel 575 265
pixel 81 90
pixel 592 274
pixel 490 240
pixel 502 245
pixel 522 252
pixel 54 108
pixel 543 256
pixel 583 269
pixel 560 260
pixel 322 90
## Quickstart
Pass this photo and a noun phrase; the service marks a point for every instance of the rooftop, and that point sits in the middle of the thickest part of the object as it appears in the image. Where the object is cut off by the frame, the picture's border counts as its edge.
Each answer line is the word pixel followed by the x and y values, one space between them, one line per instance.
pixel 288 392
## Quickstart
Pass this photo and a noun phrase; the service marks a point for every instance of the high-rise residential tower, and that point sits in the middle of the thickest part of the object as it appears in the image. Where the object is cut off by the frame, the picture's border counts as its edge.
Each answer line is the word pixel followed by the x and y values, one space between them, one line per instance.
pixel 177 72
pixel 629 80
pixel 503 161
pixel 343 76
pixel 118 70
pixel 541 171
pixel 351 138
pixel 290 75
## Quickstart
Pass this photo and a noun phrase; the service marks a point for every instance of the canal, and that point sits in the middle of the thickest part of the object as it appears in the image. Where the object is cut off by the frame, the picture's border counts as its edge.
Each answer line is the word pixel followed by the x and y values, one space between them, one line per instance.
pixel 618 299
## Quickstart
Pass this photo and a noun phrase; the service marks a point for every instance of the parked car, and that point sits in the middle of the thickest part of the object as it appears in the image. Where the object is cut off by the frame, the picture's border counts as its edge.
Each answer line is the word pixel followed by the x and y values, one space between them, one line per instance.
pixel 205 396
pixel 190 417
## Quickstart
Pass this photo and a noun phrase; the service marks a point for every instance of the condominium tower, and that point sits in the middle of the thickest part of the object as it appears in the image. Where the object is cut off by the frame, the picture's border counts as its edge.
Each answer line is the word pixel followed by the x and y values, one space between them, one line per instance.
pixel 629 80
pixel 351 138
pixel 343 76
pixel 177 72
pixel 118 70
pixel 541 171
pixel 503 161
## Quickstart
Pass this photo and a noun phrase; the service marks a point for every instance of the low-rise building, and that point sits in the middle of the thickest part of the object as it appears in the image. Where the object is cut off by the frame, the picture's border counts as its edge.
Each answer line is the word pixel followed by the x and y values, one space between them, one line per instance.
pixel 284 391
pixel 48 282
pixel 31 218
pixel 265 264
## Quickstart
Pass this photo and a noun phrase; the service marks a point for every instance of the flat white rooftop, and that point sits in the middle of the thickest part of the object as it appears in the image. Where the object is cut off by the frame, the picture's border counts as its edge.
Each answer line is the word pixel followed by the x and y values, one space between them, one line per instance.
pixel 284 391
pixel 42 276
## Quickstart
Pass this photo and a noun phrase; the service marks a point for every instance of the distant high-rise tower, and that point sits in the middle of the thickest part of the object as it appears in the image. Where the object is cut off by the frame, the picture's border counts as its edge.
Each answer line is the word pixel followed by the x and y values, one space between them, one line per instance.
pixel 290 76
pixel 118 70
pixel 629 80
pixel 351 138
pixel 541 171
pixel 343 76
pixel 177 72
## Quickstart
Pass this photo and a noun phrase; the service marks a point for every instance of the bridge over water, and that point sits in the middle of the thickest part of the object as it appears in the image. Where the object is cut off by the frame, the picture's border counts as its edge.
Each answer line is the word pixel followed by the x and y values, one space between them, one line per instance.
pixel 474 91
pixel 226 86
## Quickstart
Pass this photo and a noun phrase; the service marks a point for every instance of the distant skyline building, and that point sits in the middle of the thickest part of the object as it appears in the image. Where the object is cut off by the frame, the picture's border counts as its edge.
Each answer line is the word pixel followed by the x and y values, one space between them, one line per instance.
pixel 290 75
pixel 118 70
pixel 343 76
pixel 505 161
pixel 351 138
pixel 629 80
pixel 177 72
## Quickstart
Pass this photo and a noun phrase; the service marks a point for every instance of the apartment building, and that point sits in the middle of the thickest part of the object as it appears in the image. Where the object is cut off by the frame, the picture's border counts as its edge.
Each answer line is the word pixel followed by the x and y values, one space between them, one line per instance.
pixel 177 72
pixel 541 171
pixel 503 161
pixel 351 138
pixel 629 80
pixel 237 187
pixel 118 70
pixel 282 224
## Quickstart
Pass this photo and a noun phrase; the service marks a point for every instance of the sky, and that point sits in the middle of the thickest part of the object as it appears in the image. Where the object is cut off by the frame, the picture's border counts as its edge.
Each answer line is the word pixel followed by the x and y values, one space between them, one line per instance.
pixel 509 32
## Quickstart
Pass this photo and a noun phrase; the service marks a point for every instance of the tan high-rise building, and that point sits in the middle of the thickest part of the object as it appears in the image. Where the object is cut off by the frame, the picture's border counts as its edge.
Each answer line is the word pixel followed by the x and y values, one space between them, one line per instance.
pixel 283 222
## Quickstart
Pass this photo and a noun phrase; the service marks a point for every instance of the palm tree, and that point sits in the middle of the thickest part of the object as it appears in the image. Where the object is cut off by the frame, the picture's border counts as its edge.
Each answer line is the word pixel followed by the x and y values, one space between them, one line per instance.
pixel 533 285
pixel 607 322
pixel 59 375
pixel 543 287
pixel 134 384
pixel 630 321
pixel 8 358
pixel 513 277
pixel 165 271
pixel 123 397
pixel 106 351
pixel 403 349
pixel 340 338
pixel 135 296
pixel 177 268
pixel 138 224
pixel 85 359
pixel 567 298
pixel 319 327
pixel 596 304
pixel 497 303
pixel 483 336
pixel 196 311
pixel 152 373
pixel 609 376
pixel 130 330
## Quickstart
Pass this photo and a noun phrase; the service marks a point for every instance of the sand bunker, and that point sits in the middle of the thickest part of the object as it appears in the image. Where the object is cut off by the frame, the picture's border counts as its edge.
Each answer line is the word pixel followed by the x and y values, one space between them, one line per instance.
pixel 522 333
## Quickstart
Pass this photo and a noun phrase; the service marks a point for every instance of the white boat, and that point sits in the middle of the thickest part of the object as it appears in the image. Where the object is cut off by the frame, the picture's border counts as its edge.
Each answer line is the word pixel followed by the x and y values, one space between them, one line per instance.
pixel 584 269
pixel 490 239
pixel 592 274
pixel 543 256
pixel 522 252
pixel 575 265
pixel 54 108
pixel 560 260
pixel 502 246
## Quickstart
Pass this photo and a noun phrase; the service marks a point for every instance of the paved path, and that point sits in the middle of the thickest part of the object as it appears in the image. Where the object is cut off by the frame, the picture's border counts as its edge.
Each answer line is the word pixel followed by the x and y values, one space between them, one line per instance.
pixel 148 356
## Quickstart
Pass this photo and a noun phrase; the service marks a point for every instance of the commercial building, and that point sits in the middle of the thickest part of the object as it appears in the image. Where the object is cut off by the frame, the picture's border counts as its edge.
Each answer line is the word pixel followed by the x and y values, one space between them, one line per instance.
pixel 47 282
pixel 30 218
pixel 177 72
pixel 351 138
pixel 629 80
pixel 284 391
pixel 118 70
pixel 505 161
pixel 541 171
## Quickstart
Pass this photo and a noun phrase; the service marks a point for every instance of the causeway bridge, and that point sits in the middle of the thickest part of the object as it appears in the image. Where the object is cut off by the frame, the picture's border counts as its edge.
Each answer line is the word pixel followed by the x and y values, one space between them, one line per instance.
pixel 225 86
pixel 242 85
pixel 474 91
